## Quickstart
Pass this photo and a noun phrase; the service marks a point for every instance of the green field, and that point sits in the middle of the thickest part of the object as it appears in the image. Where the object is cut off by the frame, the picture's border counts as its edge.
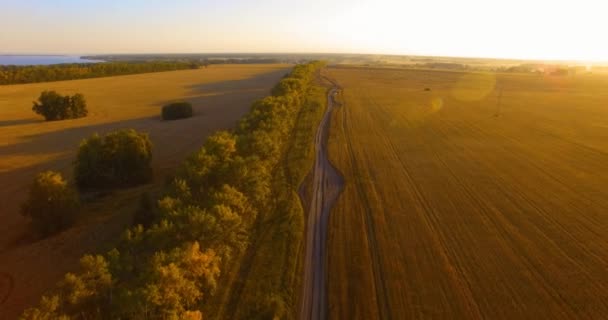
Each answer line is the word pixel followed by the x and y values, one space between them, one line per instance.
pixel 484 196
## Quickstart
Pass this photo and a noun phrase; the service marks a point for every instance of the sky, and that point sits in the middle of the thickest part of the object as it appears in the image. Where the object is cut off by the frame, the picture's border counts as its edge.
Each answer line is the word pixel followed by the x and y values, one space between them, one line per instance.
pixel 528 29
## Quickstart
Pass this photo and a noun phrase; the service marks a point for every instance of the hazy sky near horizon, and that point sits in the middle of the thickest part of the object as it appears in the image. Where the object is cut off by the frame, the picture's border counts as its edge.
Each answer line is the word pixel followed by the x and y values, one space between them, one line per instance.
pixel 535 29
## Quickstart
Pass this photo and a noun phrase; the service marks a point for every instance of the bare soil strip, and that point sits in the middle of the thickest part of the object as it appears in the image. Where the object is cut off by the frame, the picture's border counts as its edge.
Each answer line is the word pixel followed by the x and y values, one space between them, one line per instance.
pixel 326 186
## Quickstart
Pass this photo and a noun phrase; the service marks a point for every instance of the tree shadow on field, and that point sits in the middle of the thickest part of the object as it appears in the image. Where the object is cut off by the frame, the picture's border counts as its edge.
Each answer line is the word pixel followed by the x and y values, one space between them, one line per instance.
pixel 209 98
pixel 63 139
pixel 227 101
pixel 255 83
pixel 17 122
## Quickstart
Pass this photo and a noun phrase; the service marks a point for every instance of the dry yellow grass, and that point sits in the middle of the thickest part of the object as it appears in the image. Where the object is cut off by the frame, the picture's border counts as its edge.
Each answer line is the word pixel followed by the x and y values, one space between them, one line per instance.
pixel 220 96
pixel 450 211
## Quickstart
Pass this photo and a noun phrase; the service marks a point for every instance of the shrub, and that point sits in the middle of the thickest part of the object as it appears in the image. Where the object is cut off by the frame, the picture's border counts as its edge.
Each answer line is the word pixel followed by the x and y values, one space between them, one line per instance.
pixel 121 158
pixel 53 106
pixel 52 204
pixel 177 110
pixel 145 214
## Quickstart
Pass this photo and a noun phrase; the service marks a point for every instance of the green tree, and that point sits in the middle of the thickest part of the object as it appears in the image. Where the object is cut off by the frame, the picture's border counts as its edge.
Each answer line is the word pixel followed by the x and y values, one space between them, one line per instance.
pixel 78 106
pixel 146 212
pixel 177 110
pixel 91 288
pixel 180 278
pixel 221 144
pixel 52 204
pixel 228 234
pixel 288 86
pixel 47 309
pixel 235 200
pixel 53 106
pixel 121 158
pixel 206 169
pixel 252 176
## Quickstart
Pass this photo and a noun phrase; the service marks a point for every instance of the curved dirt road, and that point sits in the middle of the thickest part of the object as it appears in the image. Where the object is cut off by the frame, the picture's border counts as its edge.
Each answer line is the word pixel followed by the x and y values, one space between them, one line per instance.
pixel 326 186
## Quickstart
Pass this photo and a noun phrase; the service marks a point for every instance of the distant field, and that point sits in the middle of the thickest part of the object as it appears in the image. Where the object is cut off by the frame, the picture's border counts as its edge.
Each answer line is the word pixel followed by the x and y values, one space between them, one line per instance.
pixel 457 206
pixel 220 95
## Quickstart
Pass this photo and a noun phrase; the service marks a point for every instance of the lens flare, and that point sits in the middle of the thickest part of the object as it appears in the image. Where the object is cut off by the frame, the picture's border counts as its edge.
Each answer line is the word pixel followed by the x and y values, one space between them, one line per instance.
pixel 436 104
pixel 474 86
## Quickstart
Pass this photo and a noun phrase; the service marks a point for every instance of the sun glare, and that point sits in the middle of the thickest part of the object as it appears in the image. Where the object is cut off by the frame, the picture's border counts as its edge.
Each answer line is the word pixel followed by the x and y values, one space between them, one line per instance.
pixel 517 29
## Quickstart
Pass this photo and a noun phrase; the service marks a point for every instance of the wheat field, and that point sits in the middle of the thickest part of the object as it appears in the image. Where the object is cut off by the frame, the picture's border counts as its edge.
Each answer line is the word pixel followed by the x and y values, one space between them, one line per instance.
pixel 469 196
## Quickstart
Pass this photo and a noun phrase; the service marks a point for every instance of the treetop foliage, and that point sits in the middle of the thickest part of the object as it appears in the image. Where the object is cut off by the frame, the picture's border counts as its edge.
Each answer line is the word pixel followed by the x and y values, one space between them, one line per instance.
pixel 120 158
pixel 53 106
pixel 177 110
pixel 52 204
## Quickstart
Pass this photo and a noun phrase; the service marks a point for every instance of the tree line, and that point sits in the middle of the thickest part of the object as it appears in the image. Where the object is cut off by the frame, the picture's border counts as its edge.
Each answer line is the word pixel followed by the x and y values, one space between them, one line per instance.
pixel 171 260
pixel 43 73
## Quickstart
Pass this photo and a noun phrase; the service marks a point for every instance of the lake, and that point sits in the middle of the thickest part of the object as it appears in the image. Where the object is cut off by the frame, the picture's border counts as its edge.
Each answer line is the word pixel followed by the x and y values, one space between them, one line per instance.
pixel 24 60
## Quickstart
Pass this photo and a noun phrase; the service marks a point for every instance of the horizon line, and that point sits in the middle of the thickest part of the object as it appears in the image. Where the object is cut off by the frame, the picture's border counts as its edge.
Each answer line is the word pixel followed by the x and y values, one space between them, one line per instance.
pixel 308 53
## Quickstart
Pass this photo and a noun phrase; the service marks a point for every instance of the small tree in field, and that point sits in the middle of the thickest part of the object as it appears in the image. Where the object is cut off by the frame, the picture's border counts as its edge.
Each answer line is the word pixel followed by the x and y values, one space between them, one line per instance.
pixel 121 158
pixel 177 110
pixel 52 204
pixel 53 106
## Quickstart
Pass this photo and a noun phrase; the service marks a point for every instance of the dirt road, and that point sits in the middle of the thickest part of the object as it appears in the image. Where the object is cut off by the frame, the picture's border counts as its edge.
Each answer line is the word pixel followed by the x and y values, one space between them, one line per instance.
pixel 326 187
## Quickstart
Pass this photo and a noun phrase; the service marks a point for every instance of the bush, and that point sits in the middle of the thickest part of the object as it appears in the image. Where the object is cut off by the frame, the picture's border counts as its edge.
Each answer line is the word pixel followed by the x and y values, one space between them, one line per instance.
pixel 121 158
pixel 177 110
pixel 52 204
pixel 145 214
pixel 53 106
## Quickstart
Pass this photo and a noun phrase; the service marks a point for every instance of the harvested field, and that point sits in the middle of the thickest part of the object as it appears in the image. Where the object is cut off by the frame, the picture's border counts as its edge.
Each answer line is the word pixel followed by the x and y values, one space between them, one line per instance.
pixel 220 95
pixel 485 196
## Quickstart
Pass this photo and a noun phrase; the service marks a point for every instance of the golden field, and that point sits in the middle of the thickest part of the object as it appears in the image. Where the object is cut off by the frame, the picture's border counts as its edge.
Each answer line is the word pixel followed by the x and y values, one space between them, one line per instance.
pixel 485 196
pixel 220 95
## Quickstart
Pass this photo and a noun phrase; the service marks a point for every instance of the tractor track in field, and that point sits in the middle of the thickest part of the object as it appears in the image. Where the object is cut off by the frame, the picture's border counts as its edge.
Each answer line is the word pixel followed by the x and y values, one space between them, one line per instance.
pixel 380 286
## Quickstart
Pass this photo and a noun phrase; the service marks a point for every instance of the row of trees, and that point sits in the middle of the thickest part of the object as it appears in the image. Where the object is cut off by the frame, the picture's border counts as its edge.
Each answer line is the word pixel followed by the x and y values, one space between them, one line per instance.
pixel 44 73
pixel 53 106
pixel 166 266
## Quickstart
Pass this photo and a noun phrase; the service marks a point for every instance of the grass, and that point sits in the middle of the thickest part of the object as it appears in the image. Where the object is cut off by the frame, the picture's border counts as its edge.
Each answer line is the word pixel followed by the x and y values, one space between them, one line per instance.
pixel 220 95
pixel 267 283
pixel 456 206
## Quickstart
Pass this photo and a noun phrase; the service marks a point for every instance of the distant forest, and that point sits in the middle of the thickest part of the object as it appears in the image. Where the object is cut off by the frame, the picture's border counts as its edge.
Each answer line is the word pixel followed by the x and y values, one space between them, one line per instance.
pixel 58 72
pixel 203 59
